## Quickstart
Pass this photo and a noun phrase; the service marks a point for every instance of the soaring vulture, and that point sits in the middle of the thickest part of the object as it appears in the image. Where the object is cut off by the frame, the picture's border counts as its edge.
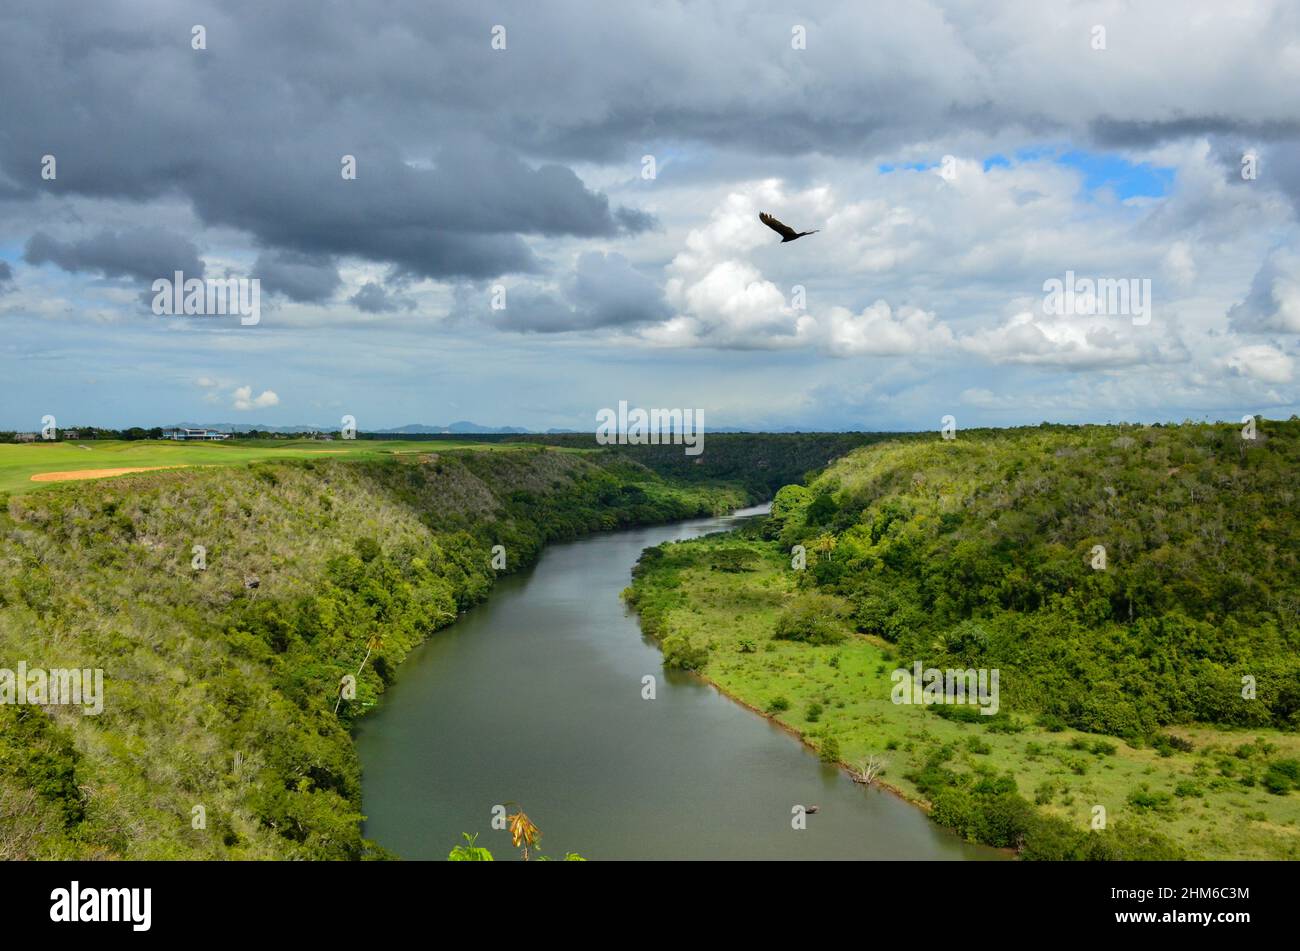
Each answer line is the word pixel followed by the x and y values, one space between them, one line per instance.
pixel 785 231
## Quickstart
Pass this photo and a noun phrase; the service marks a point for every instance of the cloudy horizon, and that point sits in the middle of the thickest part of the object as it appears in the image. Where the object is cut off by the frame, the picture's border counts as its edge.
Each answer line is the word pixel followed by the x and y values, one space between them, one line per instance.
pixel 600 173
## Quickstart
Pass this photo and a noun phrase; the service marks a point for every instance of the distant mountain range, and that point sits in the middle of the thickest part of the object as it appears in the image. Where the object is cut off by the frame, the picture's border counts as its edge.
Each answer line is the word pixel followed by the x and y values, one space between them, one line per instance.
pixel 461 427
pixel 464 427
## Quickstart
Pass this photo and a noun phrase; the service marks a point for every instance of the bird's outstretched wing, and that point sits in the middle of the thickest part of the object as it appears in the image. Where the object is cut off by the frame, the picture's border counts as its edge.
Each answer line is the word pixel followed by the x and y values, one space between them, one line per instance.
pixel 784 231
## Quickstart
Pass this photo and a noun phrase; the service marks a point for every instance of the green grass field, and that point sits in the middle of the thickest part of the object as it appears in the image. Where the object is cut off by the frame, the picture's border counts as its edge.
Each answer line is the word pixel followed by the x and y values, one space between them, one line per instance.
pixel 19 462
pixel 1197 798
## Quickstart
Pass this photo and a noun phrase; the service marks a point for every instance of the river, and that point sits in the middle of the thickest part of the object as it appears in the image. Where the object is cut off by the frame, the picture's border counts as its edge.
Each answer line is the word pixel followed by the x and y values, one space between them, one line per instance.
pixel 535 698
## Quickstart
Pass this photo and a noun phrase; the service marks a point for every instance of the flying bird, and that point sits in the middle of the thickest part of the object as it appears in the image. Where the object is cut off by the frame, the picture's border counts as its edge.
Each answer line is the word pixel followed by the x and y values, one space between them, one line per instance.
pixel 785 231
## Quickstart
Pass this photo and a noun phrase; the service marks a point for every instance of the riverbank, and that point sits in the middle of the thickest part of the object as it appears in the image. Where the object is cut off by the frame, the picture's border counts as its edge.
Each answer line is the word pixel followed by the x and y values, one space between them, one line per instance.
pixel 716 602
pixel 547 695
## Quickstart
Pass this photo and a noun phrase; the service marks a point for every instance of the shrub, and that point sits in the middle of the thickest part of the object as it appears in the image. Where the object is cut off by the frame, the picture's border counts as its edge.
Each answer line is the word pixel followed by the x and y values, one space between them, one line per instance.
pixel 1121 842
pixel 959 713
pixel 1277 781
pixel 1051 722
pixel 732 560
pixel 469 852
pixel 1290 768
pixel 1167 743
pixel 954 808
pixel 1053 839
pixel 813 618
pixel 1003 820
pixel 683 653
pixel 1143 798
pixel 999 819
pixel 1002 723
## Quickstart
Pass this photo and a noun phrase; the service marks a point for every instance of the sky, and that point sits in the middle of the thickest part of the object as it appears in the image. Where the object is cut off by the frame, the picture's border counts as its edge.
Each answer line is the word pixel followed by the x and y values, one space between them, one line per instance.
pixel 555 209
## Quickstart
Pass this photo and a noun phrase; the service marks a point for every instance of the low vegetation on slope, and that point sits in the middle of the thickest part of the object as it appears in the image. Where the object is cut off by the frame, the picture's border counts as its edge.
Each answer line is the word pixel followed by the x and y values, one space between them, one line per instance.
pixel 1137 588
pixel 219 735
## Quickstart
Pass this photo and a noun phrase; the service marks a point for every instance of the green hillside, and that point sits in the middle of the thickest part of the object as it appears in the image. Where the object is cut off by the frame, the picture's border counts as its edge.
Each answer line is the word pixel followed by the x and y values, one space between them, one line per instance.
pixel 1164 687
pixel 220 685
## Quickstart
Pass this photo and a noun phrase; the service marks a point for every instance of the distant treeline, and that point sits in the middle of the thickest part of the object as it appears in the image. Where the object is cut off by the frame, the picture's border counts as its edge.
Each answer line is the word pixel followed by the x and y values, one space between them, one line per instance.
pixel 761 462
pixel 136 433
pixel 91 432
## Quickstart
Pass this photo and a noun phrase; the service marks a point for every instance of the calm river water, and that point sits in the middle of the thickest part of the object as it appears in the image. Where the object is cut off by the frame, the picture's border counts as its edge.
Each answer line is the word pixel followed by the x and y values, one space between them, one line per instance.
pixel 534 698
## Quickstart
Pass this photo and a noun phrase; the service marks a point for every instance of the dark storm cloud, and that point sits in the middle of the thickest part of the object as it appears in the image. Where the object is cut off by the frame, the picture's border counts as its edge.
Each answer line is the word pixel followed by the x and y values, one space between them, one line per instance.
pixel 252 131
pixel 802 126
pixel 6 272
pixel 463 151
pixel 1143 133
pixel 374 298
pixel 463 217
pixel 305 278
pixel 144 253
pixel 617 136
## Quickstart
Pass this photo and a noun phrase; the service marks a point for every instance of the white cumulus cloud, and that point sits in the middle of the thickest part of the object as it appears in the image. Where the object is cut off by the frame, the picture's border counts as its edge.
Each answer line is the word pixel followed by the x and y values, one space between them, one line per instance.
pixel 243 399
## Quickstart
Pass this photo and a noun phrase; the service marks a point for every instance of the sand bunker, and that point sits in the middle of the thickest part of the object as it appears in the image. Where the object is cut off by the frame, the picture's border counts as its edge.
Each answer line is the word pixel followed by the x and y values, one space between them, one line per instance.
pixel 94 473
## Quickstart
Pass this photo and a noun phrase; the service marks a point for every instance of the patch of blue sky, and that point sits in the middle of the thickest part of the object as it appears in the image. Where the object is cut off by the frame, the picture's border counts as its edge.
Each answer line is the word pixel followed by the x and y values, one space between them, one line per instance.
pixel 1101 170
pixel 1126 179
pixel 887 167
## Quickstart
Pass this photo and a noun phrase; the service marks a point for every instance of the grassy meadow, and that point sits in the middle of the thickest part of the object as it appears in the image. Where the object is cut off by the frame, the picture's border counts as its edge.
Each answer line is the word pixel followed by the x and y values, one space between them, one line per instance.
pixel 19 462
pixel 843 691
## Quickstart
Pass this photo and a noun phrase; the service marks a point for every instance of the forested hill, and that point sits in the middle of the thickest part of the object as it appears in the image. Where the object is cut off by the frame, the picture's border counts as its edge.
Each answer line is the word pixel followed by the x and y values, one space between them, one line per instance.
pixel 761 462
pixel 985 551
pixel 1136 589
pixel 219 735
